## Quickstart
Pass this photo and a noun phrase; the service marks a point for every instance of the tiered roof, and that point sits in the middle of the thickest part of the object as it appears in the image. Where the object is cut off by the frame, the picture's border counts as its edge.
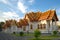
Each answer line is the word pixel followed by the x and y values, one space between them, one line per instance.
pixel 33 17
pixel 48 15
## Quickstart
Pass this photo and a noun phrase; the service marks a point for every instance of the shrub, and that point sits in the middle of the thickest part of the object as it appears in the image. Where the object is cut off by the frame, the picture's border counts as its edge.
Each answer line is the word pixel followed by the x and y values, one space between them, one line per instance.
pixel 37 33
pixel 55 32
pixel 21 33
pixel 14 33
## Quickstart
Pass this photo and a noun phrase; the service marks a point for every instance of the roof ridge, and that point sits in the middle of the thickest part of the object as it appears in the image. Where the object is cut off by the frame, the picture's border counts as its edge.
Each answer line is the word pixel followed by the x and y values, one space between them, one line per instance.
pixel 49 14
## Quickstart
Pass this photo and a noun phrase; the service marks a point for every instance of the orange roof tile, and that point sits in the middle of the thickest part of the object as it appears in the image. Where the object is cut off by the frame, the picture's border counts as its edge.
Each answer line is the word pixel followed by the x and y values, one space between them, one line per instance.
pixel 9 23
pixel 37 16
pixel 23 22
pixel 33 16
pixel 19 25
pixel 44 15
pixel 4 26
pixel 51 15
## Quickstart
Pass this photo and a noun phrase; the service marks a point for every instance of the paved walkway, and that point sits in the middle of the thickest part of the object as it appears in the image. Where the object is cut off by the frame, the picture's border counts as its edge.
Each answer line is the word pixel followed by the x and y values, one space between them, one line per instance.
pixel 5 36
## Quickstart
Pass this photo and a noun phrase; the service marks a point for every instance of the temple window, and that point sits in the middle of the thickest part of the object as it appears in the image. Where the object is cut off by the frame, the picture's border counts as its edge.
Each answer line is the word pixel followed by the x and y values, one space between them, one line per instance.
pixel 24 28
pixel 31 26
pixel 42 26
pixel 59 27
pixel 38 26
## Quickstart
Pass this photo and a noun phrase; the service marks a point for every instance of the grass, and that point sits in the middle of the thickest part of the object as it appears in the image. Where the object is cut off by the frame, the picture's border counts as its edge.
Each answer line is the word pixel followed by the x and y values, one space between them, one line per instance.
pixel 49 37
pixel 41 37
pixel 45 37
pixel 29 34
pixel 23 34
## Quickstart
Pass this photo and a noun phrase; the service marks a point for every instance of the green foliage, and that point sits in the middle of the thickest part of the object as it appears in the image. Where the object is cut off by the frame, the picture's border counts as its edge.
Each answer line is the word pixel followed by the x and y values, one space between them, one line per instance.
pixel 21 33
pixel 37 33
pixel 55 32
pixel 1 23
pixel 14 33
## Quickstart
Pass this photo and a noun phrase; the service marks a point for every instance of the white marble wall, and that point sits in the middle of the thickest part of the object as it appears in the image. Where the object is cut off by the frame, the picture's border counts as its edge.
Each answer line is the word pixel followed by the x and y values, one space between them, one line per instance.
pixel 35 26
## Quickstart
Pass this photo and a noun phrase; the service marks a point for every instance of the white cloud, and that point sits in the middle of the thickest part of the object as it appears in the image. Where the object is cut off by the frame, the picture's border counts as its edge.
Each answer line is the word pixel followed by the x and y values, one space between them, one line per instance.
pixel 8 4
pixel 12 14
pixel 2 19
pixel 31 1
pixel 22 7
pixel 8 15
pixel 4 1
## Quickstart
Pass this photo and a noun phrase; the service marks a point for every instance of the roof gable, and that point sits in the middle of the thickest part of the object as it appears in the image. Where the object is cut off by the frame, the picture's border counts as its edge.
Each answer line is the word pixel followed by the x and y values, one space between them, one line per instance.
pixel 44 15
pixel 33 16
pixel 37 16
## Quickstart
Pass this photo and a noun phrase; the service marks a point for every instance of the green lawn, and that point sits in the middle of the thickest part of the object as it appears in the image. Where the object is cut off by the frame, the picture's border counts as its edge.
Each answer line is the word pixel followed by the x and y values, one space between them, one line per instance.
pixel 23 35
pixel 41 37
pixel 49 37
pixel 45 37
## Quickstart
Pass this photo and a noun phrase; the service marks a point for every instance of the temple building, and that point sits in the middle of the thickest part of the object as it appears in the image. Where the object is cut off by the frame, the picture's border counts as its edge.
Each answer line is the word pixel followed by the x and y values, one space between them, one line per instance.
pixel 46 22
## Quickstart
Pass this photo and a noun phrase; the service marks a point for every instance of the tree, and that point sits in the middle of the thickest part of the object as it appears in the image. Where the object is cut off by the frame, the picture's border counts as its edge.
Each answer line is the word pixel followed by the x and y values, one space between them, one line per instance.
pixel 21 33
pixel 37 33
pixel 1 24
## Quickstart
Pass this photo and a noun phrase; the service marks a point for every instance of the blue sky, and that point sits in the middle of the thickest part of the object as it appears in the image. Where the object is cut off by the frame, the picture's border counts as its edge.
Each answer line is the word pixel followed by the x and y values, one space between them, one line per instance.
pixel 16 9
